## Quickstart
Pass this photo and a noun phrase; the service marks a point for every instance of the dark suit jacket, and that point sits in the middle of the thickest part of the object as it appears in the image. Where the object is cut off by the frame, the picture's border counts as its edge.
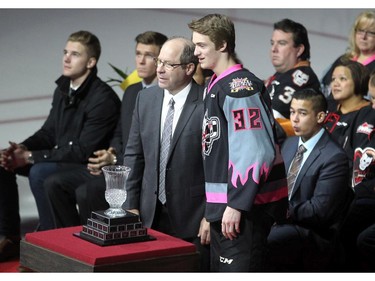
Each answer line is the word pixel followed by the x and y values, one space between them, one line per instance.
pixel 185 189
pixel 121 133
pixel 127 108
pixel 321 191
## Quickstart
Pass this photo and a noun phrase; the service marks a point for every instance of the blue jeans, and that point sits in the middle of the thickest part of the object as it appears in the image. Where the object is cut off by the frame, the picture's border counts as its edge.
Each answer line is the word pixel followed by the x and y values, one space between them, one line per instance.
pixel 39 172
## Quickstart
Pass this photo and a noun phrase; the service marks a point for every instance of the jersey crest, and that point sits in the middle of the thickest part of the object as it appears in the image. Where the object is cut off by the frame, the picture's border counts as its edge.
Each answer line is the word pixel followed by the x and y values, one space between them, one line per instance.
pixel 361 164
pixel 300 78
pixel 210 133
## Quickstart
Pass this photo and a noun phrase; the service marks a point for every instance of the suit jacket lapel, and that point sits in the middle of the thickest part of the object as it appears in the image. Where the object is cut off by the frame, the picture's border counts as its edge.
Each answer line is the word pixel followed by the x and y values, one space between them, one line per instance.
pixel 288 158
pixel 157 109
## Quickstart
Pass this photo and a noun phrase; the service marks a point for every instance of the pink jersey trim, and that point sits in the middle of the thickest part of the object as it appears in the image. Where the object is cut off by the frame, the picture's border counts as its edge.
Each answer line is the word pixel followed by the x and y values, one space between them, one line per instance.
pixel 367 61
pixel 216 197
pixel 243 179
pixel 214 78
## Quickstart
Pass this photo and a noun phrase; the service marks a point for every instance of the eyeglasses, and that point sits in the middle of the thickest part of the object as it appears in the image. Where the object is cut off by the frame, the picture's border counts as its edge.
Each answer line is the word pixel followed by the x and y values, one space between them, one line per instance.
pixel 167 65
pixel 365 32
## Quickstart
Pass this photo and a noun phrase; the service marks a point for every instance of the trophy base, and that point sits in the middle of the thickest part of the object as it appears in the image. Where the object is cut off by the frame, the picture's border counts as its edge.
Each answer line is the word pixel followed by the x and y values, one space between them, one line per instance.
pixel 100 242
pixel 105 230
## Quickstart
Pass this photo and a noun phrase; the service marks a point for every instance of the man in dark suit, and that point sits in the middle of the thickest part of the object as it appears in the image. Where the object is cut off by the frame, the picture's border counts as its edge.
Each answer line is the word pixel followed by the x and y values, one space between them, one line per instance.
pixel 181 212
pixel 85 186
pixel 320 193
pixel 147 48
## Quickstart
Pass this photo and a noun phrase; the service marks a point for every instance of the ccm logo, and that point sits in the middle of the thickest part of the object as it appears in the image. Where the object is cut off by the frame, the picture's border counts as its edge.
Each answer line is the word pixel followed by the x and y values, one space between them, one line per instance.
pixel 225 260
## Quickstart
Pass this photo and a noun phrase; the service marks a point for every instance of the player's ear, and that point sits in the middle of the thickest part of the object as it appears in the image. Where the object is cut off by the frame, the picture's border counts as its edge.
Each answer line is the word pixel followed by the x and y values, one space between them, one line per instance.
pixel 223 46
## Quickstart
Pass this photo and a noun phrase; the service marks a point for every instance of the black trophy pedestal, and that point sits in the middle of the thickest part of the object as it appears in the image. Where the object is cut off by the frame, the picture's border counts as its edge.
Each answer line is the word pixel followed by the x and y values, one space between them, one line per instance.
pixel 104 230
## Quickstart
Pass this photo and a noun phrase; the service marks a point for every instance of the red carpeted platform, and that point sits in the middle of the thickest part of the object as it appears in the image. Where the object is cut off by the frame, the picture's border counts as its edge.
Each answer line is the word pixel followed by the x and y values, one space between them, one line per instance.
pixel 79 254
pixel 9 266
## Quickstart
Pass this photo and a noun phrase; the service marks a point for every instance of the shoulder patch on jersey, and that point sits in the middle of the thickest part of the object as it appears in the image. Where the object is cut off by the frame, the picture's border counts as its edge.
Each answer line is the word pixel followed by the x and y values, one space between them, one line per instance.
pixel 300 78
pixel 238 84
pixel 365 128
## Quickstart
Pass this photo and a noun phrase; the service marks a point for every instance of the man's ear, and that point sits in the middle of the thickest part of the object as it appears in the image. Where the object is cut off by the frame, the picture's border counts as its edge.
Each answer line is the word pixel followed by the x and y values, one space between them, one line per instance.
pixel 223 46
pixel 321 117
pixel 301 49
pixel 190 68
pixel 91 63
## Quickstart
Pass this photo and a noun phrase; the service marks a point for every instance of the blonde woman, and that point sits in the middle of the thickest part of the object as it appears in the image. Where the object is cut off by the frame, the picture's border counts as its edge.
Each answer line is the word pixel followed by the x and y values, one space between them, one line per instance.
pixel 361 49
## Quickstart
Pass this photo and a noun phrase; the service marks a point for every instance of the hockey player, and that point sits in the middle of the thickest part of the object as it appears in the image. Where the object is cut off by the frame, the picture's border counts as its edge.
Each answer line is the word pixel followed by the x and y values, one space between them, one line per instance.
pixel 244 172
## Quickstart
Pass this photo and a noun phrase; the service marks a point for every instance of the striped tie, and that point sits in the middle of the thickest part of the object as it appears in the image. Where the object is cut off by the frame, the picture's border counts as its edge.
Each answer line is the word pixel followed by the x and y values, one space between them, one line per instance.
pixel 164 150
pixel 294 169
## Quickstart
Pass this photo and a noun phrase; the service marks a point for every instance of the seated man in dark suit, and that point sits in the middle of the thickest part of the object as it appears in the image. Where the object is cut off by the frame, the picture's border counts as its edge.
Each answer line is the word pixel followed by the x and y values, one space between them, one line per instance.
pixel 318 191
pixel 86 186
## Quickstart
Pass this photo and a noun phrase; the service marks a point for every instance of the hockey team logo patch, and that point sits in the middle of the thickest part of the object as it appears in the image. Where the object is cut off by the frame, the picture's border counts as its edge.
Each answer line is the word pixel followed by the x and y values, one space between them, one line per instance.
pixel 211 133
pixel 239 84
pixel 300 78
pixel 363 159
pixel 365 128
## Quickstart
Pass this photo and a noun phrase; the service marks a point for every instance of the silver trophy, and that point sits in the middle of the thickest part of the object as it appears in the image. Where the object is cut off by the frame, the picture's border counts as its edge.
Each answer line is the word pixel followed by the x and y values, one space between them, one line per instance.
pixel 114 225
pixel 115 193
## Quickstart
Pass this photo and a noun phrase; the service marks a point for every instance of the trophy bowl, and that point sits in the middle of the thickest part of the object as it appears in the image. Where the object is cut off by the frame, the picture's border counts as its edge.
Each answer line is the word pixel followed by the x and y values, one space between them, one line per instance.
pixel 115 193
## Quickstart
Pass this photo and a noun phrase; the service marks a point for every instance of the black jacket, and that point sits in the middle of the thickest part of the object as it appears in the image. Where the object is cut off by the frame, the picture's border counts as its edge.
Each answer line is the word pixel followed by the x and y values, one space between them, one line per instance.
pixel 77 126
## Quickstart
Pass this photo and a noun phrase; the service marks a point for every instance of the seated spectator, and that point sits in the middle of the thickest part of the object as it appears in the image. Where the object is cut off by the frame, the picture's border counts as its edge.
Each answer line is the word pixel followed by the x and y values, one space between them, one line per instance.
pixel 349 86
pixel 362 211
pixel 82 119
pixel 290 56
pixel 318 191
pixel 361 49
pixel 85 187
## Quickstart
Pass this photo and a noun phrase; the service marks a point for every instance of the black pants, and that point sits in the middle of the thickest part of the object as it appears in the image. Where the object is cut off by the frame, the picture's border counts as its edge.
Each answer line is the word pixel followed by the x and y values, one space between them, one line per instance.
pixel 162 223
pixel 292 248
pixel 9 204
pixel 361 215
pixel 246 253
pixel 71 187
pixel 366 249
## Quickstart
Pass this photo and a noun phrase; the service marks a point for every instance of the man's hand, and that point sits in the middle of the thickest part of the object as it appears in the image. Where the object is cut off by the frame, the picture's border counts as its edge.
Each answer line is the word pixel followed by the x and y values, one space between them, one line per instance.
pixel 204 232
pixel 103 158
pixel 230 223
pixel 134 211
pixel 14 156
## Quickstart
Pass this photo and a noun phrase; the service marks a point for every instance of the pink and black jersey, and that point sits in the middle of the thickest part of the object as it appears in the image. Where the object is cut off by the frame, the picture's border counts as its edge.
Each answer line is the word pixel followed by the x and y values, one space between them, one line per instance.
pixel 242 161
